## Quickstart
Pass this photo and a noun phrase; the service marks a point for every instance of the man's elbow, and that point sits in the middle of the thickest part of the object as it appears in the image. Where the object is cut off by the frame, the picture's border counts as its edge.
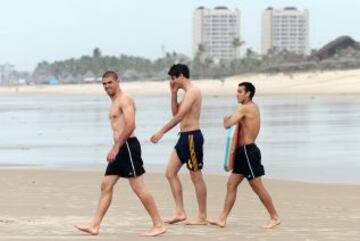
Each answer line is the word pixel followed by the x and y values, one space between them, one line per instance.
pixel 227 124
pixel 178 117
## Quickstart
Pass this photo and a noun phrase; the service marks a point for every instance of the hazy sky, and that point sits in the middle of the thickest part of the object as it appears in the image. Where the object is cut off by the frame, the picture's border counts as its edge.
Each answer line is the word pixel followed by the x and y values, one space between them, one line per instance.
pixel 36 30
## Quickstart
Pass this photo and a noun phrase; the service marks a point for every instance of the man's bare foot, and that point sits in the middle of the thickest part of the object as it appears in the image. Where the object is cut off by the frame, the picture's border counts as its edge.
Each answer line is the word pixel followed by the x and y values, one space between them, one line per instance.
pixel 272 223
pixel 218 223
pixel 175 219
pixel 156 231
pixel 87 228
pixel 198 222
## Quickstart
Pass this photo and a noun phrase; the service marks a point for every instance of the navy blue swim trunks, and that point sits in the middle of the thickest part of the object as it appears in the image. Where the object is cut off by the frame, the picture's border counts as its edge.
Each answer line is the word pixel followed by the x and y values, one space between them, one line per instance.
pixel 189 149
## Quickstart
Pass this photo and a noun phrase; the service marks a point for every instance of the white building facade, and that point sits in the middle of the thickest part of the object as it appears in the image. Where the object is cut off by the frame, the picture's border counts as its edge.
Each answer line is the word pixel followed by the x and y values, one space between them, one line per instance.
pixel 285 29
pixel 214 31
pixel 6 74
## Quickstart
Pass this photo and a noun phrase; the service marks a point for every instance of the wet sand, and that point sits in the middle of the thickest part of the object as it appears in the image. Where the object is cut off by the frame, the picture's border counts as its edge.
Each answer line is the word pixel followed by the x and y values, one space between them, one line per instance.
pixel 45 204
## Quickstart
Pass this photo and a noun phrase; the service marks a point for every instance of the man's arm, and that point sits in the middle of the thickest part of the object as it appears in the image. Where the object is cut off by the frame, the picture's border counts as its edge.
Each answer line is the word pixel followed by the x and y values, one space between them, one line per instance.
pixel 235 118
pixel 174 102
pixel 184 108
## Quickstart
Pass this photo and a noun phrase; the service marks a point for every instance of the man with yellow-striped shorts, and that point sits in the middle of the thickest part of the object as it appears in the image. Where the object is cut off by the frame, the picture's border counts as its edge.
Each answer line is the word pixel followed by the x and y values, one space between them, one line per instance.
pixel 189 148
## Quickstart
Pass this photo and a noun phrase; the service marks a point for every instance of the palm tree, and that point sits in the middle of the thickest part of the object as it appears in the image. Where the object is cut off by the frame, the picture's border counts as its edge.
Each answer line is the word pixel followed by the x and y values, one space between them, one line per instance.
pixel 250 53
pixel 201 53
pixel 96 53
pixel 237 43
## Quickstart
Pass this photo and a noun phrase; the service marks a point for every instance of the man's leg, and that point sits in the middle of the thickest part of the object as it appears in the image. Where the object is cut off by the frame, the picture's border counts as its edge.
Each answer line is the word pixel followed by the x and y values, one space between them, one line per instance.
pixel 232 185
pixel 200 189
pixel 176 188
pixel 258 187
pixel 107 186
pixel 138 186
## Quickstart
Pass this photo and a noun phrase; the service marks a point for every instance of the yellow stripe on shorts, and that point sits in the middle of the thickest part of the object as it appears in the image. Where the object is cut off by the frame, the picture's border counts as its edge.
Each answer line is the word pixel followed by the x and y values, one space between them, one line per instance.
pixel 193 163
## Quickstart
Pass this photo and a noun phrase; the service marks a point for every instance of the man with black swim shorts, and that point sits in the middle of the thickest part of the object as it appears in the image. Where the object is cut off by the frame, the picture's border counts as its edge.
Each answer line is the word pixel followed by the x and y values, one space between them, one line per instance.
pixel 247 161
pixel 124 159
pixel 189 148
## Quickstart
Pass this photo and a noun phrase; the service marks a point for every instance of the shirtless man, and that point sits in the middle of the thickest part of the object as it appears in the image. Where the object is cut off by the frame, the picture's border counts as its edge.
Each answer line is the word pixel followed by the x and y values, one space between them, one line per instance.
pixel 247 163
pixel 124 159
pixel 189 148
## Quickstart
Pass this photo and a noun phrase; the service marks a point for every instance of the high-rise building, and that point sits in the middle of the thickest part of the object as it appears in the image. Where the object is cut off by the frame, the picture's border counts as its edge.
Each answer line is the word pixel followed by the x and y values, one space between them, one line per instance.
pixel 285 29
pixel 6 74
pixel 216 33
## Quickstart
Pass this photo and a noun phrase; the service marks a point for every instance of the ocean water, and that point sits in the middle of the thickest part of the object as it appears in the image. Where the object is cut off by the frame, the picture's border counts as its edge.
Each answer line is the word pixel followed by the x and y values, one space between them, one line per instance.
pixel 303 138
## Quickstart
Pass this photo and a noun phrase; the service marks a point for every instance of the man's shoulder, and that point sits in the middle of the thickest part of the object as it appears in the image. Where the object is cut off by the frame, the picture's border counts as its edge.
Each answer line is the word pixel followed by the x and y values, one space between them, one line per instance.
pixel 194 90
pixel 125 97
pixel 125 100
pixel 249 107
pixel 255 106
pixel 252 109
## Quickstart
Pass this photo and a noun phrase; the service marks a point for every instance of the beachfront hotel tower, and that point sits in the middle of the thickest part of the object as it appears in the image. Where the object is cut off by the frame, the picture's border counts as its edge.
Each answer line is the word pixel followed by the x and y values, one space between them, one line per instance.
pixel 216 33
pixel 285 29
pixel 6 74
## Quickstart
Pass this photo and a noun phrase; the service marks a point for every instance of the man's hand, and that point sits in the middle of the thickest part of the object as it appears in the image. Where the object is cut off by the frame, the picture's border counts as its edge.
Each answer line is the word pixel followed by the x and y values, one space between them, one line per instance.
pixel 156 137
pixel 173 88
pixel 112 154
pixel 226 121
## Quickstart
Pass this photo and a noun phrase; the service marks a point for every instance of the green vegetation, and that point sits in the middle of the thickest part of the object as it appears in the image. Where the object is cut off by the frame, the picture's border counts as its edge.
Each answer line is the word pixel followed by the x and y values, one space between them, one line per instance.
pixel 131 68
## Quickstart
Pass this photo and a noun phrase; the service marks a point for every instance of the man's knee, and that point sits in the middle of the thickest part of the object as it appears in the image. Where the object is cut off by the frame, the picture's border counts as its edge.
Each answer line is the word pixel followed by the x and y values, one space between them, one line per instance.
pixel 256 187
pixel 141 192
pixel 196 177
pixel 170 174
pixel 231 185
pixel 106 186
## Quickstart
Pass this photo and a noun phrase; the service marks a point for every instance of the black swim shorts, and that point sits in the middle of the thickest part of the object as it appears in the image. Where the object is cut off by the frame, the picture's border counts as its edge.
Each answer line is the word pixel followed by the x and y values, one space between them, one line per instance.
pixel 128 162
pixel 248 161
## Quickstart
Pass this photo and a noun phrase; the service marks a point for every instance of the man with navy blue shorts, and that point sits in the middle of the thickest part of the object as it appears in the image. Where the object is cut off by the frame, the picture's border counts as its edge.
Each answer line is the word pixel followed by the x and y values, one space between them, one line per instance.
pixel 189 147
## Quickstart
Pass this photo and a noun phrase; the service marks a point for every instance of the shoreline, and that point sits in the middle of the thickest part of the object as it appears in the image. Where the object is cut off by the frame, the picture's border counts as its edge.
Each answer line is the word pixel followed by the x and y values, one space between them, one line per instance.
pixel 344 82
pixel 155 169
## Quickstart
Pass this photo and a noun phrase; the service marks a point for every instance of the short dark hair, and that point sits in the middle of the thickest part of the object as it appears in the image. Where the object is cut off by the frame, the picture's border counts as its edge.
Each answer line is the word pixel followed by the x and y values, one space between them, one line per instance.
pixel 249 87
pixel 110 73
pixel 178 69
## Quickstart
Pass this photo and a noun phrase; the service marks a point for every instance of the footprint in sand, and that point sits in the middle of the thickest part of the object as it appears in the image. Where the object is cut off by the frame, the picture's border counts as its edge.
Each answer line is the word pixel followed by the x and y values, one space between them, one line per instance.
pixel 6 221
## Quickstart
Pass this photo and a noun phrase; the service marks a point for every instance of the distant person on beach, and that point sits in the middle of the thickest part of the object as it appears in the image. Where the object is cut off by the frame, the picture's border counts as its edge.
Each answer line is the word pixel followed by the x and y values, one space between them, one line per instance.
pixel 189 147
pixel 247 162
pixel 124 159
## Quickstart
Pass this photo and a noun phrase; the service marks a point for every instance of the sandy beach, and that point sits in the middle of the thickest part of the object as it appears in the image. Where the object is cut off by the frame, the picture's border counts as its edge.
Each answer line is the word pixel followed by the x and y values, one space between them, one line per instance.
pixel 306 83
pixel 44 204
